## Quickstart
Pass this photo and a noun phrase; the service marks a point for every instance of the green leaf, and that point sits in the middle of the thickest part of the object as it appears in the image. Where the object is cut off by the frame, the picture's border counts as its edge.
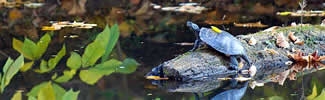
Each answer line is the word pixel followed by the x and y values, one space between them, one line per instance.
pixel 46 92
pixel 17 45
pixel 59 91
pixel 313 94
pixel 67 75
pixel 54 61
pixel 43 67
pixel 56 89
pixel 74 61
pixel 36 89
pixel 17 96
pixel 92 53
pixel 107 67
pixel 48 66
pixel 70 95
pixel 90 76
pixel 129 66
pixel 31 98
pixel 10 69
pixel 42 45
pixel 27 66
pixel 321 96
pixel 29 49
pixel 112 39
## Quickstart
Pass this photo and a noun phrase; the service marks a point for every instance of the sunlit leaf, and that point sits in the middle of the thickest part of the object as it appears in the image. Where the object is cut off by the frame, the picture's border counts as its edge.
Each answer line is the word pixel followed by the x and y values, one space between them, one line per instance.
pixel 43 67
pixel 36 89
pixel 90 76
pixel 321 96
pixel 67 75
pixel 59 91
pixel 10 69
pixel 27 66
pixel 107 67
pixel 54 61
pixel 275 98
pixel 17 96
pixel 74 61
pixel 92 53
pixel 46 92
pixel 112 39
pixel 42 45
pixel 313 94
pixel 70 95
pixel 128 66
pixel 28 49
pixel 31 98
pixel 17 45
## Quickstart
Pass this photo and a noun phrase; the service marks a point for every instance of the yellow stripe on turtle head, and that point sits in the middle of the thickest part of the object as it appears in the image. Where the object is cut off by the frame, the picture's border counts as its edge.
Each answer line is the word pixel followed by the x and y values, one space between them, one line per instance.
pixel 215 29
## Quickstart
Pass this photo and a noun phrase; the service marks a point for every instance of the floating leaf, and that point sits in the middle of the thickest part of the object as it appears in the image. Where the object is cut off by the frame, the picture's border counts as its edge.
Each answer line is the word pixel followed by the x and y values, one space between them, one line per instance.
pixel 90 76
pixel 67 75
pixel 70 95
pixel 128 66
pixel 46 92
pixel 10 69
pixel 27 66
pixel 112 39
pixel 74 61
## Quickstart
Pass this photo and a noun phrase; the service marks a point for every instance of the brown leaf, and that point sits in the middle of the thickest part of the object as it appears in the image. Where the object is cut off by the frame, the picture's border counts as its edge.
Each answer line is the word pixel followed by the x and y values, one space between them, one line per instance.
pixel 281 41
pixel 298 56
pixel 292 37
pixel 14 14
pixel 280 78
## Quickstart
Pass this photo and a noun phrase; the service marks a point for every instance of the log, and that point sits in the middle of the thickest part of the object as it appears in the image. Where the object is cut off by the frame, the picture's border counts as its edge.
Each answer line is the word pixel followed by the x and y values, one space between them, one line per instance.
pixel 197 69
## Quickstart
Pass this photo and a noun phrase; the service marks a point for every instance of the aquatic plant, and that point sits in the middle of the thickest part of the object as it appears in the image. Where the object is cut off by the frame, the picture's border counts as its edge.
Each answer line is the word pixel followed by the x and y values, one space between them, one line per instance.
pixel 9 70
pixel 101 47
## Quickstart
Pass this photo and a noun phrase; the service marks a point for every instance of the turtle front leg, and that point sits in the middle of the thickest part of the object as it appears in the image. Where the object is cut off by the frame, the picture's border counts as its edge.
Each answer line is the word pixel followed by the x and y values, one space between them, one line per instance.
pixel 245 57
pixel 233 62
pixel 197 44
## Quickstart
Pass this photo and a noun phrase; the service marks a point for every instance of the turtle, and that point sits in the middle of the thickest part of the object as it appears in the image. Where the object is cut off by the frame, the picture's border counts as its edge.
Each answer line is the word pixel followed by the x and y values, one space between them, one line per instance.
pixel 221 41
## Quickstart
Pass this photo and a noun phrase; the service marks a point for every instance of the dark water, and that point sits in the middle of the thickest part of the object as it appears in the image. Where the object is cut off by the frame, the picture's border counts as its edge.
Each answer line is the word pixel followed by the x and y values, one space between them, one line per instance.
pixel 150 47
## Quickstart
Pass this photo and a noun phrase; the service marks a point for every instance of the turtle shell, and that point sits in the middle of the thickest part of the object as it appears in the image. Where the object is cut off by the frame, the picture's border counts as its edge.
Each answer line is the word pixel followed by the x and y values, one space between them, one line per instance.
pixel 223 42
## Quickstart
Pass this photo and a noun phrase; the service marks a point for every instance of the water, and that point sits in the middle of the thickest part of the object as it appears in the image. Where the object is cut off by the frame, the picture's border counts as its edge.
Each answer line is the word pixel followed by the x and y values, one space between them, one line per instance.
pixel 150 42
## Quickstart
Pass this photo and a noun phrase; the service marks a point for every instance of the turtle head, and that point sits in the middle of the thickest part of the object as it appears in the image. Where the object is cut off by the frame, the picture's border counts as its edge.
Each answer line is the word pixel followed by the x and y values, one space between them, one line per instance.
pixel 155 72
pixel 193 26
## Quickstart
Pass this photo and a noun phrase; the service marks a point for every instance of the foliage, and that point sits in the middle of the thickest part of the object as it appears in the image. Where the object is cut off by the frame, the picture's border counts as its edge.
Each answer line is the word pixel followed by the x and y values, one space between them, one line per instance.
pixel 31 50
pixel 17 96
pixel 51 64
pixel 101 47
pixel 51 91
pixel 9 70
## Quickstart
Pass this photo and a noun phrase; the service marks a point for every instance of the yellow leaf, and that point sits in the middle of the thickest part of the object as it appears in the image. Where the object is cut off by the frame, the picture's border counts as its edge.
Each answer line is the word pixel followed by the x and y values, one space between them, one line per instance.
pixel 284 13
pixel 313 94
pixel 215 29
pixel 17 45
pixel 17 96
pixel 48 28
pixel 26 66
pixel 46 92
